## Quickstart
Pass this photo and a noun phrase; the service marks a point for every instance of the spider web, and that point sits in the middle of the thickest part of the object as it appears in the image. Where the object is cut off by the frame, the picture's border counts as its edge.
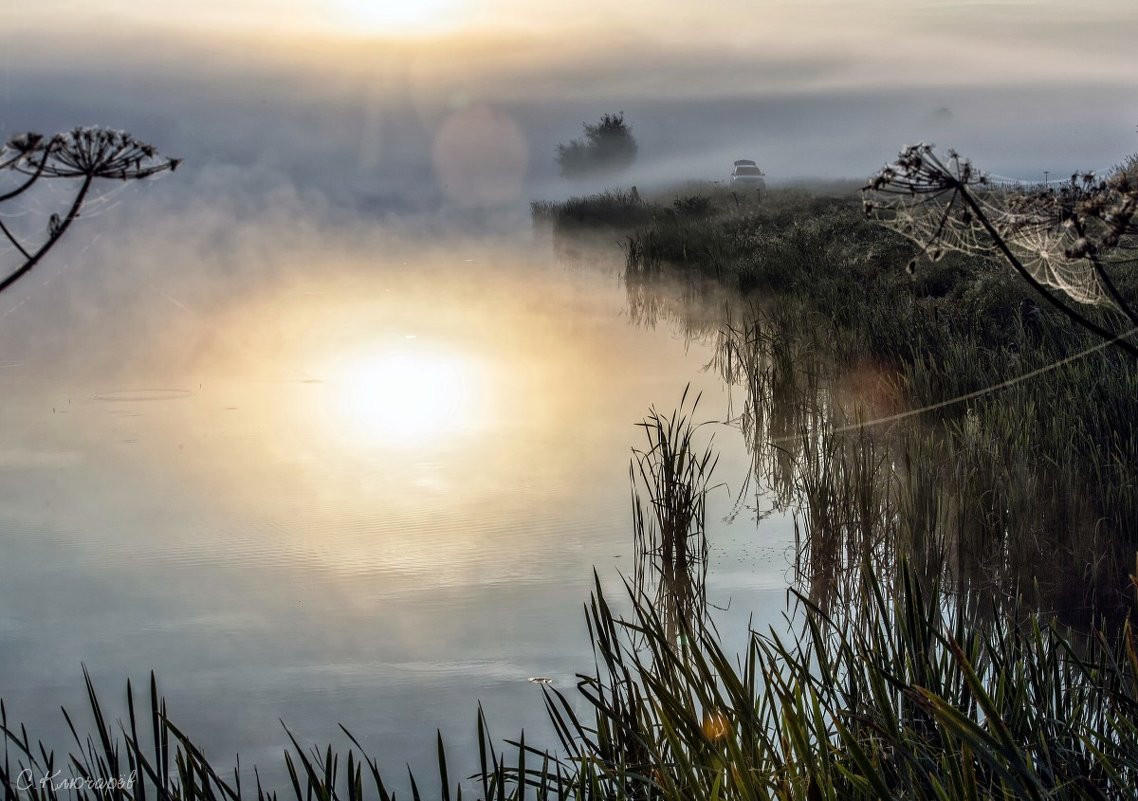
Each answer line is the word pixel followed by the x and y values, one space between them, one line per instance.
pixel 28 216
pixel 1027 222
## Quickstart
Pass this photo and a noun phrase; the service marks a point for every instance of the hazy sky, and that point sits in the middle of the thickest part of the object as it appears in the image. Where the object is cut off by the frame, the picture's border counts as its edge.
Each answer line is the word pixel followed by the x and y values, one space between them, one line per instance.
pixel 381 103
pixel 665 47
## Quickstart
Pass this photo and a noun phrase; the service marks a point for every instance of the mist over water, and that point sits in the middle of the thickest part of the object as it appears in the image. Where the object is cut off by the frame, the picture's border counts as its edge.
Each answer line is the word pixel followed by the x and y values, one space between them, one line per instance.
pixel 203 471
pixel 342 485
pixel 317 463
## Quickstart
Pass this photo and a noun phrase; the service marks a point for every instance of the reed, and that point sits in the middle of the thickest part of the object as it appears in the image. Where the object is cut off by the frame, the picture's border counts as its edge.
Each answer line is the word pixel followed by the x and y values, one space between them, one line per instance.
pixel 924 658
pixel 670 480
pixel 898 691
pixel 892 684
pixel 611 209
pixel 1021 474
pixel 1028 488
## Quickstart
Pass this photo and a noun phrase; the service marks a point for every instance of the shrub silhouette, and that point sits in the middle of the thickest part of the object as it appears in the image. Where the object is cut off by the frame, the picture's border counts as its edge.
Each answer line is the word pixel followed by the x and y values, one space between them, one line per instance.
pixel 608 147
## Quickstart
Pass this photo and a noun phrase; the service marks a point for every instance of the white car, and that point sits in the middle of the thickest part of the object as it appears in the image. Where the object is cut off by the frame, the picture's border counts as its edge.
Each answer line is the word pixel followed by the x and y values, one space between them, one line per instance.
pixel 747 175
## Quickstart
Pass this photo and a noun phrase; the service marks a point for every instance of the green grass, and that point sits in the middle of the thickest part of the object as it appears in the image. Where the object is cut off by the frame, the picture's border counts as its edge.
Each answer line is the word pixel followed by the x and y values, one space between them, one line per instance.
pixel 895 684
pixel 671 478
pixel 613 209
pixel 1030 487
pixel 923 658
pixel 901 690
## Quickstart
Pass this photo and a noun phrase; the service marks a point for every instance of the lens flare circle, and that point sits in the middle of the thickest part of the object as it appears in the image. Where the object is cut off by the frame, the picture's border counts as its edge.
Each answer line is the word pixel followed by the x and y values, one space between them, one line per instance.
pixel 480 157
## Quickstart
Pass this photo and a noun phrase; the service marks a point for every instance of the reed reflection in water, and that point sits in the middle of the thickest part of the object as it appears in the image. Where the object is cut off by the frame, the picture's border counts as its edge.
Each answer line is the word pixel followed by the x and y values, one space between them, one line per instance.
pixel 369 497
pixel 964 494
pixel 670 518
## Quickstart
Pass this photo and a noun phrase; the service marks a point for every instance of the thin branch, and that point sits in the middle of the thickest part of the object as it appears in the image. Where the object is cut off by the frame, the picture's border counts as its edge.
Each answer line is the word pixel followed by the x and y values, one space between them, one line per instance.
pixel 13 240
pixel 54 237
pixel 1006 252
pixel 33 176
pixel 1104 278
pixel 909 196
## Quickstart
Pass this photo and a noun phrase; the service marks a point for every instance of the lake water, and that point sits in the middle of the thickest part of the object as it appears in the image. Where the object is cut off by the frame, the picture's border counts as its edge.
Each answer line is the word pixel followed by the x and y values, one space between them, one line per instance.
pixel 374 499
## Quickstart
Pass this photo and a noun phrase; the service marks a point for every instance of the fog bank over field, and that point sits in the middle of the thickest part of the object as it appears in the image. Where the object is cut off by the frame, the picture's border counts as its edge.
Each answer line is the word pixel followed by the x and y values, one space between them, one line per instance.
pixel 306 144
pixel 392 153
pixel 465 112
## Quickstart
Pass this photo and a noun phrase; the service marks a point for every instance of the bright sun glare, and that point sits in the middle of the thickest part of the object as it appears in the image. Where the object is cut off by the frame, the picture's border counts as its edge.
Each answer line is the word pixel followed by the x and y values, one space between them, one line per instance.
pixel 392 16
pixel 406 396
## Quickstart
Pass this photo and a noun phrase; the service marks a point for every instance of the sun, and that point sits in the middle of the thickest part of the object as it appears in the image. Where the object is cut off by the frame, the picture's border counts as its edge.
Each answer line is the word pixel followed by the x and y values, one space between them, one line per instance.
pixel 405 396
pixel 392 16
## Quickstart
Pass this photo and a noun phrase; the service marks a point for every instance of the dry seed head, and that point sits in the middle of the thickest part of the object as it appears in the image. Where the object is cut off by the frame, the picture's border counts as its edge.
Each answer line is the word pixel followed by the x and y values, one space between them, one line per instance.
pixel 1079 249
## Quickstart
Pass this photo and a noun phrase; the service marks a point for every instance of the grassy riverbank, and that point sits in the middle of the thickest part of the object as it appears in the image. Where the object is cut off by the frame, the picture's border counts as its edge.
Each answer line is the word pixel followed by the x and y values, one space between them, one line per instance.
pixel 961 463
pixel 1022 473
pixel 899 692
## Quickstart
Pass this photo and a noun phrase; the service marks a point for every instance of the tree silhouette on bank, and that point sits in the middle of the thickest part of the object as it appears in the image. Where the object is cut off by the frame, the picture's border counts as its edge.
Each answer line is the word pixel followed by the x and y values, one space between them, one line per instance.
pixel 608 147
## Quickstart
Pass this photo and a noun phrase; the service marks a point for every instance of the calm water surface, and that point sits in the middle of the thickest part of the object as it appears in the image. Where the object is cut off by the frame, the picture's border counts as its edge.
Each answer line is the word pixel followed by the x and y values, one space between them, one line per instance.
pixel 375 499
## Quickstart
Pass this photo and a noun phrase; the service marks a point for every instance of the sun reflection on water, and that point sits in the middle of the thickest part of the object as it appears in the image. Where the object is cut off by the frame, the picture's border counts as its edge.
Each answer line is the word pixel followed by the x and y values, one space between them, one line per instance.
pixel 405 395
pixel 384 419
